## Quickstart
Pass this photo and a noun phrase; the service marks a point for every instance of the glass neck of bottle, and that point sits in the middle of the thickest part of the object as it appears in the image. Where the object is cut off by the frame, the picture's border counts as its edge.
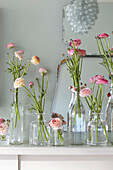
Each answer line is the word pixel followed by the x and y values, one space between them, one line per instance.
pixel 111 89
pixel 15 97
pixel 40 116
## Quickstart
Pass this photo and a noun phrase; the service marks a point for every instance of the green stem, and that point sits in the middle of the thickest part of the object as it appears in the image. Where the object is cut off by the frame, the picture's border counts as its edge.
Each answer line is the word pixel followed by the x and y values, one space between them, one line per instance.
pixel 96 132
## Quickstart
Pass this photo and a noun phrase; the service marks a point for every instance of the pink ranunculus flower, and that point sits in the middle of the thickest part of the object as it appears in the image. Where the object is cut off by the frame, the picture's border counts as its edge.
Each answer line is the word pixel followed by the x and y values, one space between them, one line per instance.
pixel 98 77
pixel 55 123
pixel 43 71
pixel 104 35
pixel 2 120
pixel 19 82
pixel 95 78
pixel 81 52
pixel 85 92
pixel 111 51
pixel 3 128
pixel 19 55
pixel 70 52
pixel 22 51
pixel 76 42
pixel 35 60
pixel 31 84
pixel 91 80
pixel 102 81
pixel 10 45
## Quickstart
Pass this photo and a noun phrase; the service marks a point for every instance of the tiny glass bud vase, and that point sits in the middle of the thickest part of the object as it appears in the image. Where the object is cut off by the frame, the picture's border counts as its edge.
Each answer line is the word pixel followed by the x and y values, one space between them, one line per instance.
pixel 39 131
pixel 4 133
pixel 97 131
pixel 58 136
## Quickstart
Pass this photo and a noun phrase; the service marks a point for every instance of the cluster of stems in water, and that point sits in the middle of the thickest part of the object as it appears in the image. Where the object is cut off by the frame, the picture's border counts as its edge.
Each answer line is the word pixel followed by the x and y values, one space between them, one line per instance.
pixel 17 70
pixel 74 64
pixel 105 54
pixel 42 129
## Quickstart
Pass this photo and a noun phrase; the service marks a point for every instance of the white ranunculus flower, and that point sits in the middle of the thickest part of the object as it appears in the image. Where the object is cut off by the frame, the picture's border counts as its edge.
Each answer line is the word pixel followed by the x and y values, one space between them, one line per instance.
pixel 19 55
pixel 19 82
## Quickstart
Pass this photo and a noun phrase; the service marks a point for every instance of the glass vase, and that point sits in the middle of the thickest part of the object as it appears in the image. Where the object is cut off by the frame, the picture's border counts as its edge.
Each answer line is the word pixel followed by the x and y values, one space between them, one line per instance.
pixel 39 131
pixel 76 121
pixel 109 115
pixel 97 131
pixel 16 124
pixel 58 137
pixel 4 133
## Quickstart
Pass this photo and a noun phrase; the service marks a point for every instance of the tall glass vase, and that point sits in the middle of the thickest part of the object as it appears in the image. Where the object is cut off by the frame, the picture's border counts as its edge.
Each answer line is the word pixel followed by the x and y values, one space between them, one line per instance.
pixel 16 125
pixel 76 121
pixel 39 131
pixel 109 115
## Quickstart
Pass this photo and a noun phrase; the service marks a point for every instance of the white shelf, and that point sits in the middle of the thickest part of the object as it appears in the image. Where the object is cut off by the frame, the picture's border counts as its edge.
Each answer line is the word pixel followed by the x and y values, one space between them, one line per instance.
pixel 66 150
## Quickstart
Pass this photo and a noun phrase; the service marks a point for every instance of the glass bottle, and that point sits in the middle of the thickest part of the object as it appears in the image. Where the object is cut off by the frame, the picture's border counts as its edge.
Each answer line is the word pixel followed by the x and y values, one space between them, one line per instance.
pixel 97 131
pixel 39 131
pixel 109 115
pixel 16 124
pixel 58 137
pixel 76 125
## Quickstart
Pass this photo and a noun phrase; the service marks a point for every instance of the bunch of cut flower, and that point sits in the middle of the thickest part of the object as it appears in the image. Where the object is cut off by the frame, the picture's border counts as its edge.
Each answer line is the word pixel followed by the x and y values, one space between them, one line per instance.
pixel 105 52
pixel 56 124
pixel 74 63
pixel 38 101
pixel 94 98
pixel 17 70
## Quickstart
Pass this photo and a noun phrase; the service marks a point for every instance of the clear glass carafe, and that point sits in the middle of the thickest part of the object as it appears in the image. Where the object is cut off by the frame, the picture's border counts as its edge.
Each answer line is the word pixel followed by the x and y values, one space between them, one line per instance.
pixel 76 125
pixel 16 124
pixel 109 115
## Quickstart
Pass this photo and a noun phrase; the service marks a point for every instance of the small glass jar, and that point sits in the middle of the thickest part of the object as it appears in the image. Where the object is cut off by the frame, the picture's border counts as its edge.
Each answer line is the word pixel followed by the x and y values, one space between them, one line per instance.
pixel 39 131
pixel 97 131
pixel 58 136
pixel 4 133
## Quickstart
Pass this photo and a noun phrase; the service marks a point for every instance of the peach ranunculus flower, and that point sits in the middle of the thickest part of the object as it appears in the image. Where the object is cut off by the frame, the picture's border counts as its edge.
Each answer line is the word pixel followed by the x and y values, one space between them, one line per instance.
pixel 3 129
pixel 19 55
pixel 43 71
pixel 10 45
pixel 35 60
pixel 85 92
pixel 19 82
pixel 70 52
pixel 56 123
pixel 104 35
pixel 76 42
